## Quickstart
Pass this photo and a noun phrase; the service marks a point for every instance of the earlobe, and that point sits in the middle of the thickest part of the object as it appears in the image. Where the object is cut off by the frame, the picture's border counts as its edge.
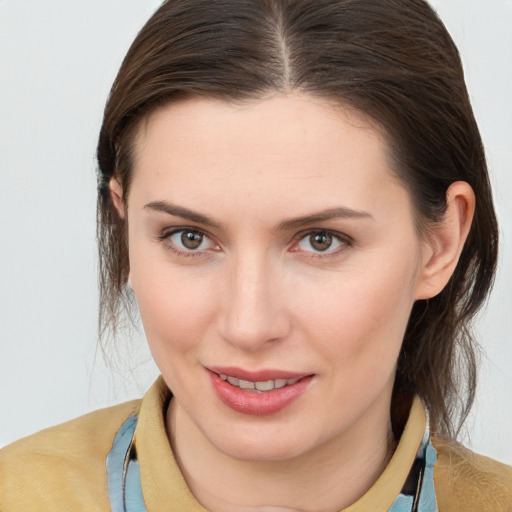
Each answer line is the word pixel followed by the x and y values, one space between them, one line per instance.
pixel 116 193
pixel 446 241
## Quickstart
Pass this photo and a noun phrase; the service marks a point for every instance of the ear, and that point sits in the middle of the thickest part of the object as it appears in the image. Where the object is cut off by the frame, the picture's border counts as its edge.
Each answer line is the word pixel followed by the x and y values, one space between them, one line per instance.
pixel 116 194
pixel 446 240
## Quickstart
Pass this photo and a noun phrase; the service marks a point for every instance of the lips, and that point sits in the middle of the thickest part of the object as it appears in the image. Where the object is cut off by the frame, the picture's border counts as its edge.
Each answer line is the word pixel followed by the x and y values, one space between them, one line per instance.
pixel 258 393
pixel 261 386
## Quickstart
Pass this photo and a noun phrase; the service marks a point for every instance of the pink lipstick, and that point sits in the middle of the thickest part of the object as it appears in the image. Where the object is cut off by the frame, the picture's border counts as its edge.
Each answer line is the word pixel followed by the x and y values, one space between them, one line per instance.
pixel 258 393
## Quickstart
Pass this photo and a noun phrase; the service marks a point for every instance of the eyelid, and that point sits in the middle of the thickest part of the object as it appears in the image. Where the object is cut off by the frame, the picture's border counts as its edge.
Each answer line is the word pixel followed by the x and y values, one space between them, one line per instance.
pixel 165 237
pixel 312 231
pixel 345 240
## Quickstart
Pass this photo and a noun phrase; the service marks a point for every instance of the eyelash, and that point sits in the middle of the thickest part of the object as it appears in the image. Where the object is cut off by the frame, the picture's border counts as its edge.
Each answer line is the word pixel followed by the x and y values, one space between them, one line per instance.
pixel 165 238
pixel 344 240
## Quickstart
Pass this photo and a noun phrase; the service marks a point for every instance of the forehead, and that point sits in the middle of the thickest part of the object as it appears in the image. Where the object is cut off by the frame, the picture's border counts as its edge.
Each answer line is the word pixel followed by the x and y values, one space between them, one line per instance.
pixel 298 145
pixel 298 116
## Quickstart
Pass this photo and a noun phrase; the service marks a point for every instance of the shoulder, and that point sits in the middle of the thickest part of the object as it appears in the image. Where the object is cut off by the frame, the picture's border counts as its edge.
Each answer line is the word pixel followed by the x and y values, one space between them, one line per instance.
pixel 466 481
pixel 63 466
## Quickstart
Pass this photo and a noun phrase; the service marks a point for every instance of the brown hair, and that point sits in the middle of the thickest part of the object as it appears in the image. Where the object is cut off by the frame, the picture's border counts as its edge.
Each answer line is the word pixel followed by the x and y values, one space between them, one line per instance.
pixel 392 60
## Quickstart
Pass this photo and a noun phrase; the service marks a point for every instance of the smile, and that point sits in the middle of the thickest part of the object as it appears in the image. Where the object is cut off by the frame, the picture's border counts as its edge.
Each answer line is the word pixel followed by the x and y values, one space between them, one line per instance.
pixel 258 393
pixel 258 386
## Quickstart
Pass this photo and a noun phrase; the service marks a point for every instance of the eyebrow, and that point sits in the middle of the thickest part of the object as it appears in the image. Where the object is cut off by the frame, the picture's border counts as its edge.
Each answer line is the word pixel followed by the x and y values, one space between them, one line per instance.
pixel 180 211
pixel 321 216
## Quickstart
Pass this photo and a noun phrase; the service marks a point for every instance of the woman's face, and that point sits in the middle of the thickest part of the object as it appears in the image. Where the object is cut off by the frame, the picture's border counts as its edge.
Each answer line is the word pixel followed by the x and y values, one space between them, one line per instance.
pixel 271 242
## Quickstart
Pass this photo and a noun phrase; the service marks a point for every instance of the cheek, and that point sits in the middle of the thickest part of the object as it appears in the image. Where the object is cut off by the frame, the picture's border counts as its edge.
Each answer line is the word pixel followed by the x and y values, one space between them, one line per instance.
pixel 175 305
pixel 359 318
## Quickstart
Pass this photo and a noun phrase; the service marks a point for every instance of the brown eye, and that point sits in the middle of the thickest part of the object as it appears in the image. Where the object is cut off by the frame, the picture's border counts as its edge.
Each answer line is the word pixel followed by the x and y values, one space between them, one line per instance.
pixel 320 241
pixel 191 239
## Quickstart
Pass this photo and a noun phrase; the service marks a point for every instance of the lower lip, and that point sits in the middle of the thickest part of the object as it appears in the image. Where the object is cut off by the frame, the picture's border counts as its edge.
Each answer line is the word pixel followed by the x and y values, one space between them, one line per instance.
pixel 258 403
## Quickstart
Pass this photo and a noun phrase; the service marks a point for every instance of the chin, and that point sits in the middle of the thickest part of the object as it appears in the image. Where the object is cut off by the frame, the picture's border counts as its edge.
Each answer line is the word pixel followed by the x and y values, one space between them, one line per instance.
pixel 261 451
pixel 261 444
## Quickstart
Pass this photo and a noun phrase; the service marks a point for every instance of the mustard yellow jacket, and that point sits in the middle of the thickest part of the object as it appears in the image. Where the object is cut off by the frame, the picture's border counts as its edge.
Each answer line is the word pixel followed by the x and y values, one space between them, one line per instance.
pixel 62 469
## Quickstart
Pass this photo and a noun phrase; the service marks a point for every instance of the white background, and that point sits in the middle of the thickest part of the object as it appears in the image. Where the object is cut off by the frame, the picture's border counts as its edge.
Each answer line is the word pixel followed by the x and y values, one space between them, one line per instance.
pixel 57 62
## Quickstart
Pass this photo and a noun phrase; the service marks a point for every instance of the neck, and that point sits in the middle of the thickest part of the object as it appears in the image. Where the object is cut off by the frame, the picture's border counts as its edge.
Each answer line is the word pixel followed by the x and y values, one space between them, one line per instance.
pixel 332 477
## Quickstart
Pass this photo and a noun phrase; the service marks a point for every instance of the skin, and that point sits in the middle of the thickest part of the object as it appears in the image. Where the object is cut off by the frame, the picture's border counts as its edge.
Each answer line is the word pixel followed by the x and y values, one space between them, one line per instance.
pixel 257 295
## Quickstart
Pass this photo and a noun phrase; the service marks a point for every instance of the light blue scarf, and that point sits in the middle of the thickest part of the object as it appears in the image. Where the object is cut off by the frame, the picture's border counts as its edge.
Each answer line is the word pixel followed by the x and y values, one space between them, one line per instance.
pixel 125 489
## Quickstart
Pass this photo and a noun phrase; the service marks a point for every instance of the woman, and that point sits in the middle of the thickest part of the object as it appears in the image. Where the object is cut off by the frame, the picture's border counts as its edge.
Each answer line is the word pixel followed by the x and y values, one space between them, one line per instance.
pixel 297 195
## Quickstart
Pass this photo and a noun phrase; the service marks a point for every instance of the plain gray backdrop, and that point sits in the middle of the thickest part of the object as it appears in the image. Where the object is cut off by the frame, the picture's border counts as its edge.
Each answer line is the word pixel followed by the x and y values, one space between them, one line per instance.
pixel 57 62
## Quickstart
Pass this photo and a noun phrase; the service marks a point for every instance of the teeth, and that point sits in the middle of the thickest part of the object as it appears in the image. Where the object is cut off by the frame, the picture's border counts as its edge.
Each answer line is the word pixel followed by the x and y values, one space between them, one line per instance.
pixel 246 384
pixel 279 383
pixel 234 381
pixel 267 385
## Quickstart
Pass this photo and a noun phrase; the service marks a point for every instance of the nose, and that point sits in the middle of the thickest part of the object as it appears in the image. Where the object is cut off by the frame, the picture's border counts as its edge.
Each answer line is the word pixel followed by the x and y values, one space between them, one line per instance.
pixel 253 313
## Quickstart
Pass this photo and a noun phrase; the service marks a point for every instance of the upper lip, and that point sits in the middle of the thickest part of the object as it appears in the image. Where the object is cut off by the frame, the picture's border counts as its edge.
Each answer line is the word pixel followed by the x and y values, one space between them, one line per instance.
pixel 256 376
